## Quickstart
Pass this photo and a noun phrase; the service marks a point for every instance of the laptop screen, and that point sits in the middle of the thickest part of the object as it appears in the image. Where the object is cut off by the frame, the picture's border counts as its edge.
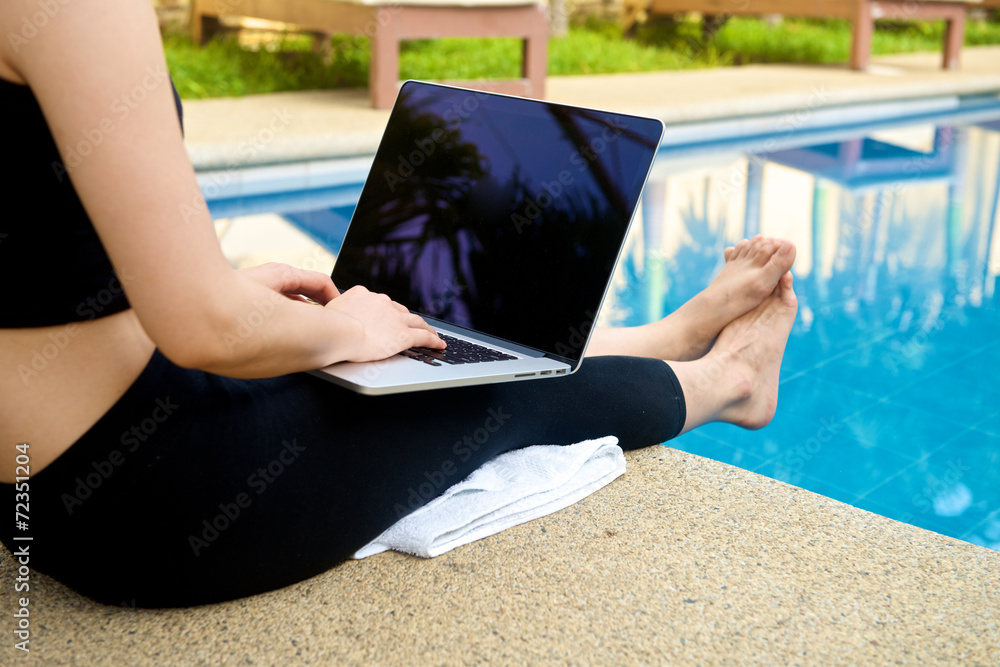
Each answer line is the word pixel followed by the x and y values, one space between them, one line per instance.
pixel 498 214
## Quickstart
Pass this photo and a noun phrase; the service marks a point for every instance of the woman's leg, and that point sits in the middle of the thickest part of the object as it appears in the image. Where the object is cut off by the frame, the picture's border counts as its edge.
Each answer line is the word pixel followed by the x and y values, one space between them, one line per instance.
pixel 753 268
pixel 737 381
pixel 196 488
pixel 729 339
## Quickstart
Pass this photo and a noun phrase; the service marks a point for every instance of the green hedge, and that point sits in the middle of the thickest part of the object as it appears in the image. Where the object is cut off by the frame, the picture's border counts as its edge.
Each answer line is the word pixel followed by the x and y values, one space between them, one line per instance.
pixel 224 68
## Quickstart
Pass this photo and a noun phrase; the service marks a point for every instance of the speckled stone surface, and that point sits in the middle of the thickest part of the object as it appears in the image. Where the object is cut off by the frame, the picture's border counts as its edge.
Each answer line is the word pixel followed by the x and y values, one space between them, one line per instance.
pixel 683 560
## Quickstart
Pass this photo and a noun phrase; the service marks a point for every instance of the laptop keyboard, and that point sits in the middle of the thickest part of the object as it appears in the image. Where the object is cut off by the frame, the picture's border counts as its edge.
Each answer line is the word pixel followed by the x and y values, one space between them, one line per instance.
pixel 458 352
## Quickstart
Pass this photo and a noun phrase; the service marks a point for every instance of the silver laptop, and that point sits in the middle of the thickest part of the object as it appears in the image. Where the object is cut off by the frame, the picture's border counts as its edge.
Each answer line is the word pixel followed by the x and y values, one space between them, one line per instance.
pixel 499 220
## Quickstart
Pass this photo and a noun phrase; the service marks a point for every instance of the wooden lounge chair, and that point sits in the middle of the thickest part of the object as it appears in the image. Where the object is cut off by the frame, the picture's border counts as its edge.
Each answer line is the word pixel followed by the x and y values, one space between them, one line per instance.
pixel 387 23
pixel 862 13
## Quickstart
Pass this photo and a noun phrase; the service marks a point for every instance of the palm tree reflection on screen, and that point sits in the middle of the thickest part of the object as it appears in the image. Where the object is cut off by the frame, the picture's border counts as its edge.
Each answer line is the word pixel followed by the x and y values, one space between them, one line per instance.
pixel 407 231
pixel 442 236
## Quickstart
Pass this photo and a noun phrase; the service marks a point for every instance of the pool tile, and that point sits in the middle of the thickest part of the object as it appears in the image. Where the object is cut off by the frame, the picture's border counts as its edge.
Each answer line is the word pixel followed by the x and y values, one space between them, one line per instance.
pixel 976 372
pixel 701 445
pixel 990 354
pixel 990 425
pixel 946 497
pixel 907 431
pixel 974 456
pixel 986 533
pixel 789 427
pixel 838 460
pixel 952 527
pixel 768 442
pixel 910 366
pixel 881 378
pixel 974 521
pixel 952 396
pixel 926 521
pixel 798 357
pixel 969 329
pixel 807 396
pixel 832 332
pixel 786 431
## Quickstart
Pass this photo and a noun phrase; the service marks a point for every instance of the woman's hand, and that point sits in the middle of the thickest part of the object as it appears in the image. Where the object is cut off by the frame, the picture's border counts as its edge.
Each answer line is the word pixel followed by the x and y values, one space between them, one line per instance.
pixel 296 284
pixel 388 326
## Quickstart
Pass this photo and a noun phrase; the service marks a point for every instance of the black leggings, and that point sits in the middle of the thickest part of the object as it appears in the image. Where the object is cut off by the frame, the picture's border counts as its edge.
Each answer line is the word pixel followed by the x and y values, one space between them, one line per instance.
pixel 196 488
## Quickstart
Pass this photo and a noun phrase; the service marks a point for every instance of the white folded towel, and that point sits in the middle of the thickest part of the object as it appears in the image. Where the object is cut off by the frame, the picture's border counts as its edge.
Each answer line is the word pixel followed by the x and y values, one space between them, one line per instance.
pixel 513 488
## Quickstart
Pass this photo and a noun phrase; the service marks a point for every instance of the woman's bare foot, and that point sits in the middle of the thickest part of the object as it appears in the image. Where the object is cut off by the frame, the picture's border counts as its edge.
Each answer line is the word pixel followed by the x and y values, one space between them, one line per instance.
pixel 750 274
pixel 737 382
pixel 753 268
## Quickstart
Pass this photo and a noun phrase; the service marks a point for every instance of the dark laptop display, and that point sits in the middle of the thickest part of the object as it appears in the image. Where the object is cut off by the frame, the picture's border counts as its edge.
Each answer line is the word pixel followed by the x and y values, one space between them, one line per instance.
pixel 496 215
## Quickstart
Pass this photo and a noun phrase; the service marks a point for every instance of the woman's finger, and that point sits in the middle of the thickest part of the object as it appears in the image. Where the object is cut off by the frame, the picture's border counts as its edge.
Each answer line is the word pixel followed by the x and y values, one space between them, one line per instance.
pixel 291 281
pixel 314 285
pixel 427 338
pixel 417 322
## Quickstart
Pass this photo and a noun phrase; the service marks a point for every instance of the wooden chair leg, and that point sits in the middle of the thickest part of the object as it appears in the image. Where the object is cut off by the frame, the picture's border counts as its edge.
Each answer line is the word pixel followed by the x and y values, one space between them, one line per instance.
pixel 711 24
pixel 954 35
pixel 320 41
pixel 204 28
pixel 204 25
pixel 383 73
pixel 633 13
pixel 534 64
pixel 861 36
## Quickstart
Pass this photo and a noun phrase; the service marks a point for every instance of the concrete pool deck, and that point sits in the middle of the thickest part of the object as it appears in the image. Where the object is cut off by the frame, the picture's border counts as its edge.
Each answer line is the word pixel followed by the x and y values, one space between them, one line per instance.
pixel 682 560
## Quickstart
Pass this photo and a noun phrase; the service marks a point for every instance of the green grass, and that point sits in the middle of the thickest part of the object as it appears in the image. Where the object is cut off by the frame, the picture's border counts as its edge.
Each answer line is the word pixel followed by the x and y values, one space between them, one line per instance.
pixel 223 68
pixel 813 41
pixel 597 48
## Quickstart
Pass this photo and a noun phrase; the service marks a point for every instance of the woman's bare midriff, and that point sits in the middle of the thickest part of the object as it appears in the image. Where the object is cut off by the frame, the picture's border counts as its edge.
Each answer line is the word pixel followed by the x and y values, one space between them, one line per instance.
pixel 58 381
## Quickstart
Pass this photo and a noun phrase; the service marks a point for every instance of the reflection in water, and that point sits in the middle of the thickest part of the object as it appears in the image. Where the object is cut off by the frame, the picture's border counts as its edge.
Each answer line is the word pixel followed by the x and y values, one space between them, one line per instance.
pixel 885 225
pixel 896 275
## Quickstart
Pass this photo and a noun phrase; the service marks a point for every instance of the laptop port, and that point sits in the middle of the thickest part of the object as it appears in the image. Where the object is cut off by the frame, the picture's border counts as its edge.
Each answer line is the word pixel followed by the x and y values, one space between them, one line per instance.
pixel 546 373
pixel 525 375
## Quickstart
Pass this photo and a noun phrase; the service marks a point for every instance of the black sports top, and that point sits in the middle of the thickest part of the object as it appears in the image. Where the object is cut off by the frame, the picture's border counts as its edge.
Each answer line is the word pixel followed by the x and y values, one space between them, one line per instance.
pixel 53 268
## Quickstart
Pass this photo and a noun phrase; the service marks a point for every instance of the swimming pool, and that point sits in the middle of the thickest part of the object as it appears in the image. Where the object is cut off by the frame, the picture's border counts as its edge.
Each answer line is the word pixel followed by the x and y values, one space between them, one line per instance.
pixel 887 398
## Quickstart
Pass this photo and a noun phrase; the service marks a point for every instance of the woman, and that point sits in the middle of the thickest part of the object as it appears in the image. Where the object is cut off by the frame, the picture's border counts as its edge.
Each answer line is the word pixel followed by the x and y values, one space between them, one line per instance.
pixel 169 467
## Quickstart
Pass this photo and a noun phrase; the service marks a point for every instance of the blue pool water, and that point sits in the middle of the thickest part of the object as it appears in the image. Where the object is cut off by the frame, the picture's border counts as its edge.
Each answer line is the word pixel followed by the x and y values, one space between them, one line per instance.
pixel 888 399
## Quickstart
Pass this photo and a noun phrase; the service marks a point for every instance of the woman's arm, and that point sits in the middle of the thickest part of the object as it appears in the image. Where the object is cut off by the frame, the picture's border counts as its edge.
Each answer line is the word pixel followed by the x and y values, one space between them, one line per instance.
pixel 99 73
